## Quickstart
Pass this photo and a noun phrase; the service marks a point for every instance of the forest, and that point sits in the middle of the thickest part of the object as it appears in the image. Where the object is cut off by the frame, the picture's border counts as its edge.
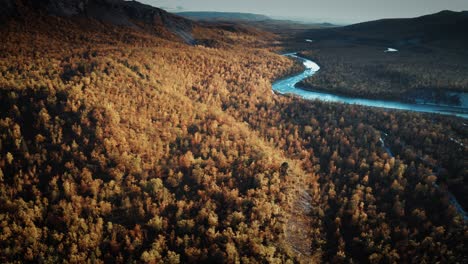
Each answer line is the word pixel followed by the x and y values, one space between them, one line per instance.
pixel 123 146
pixel 366 71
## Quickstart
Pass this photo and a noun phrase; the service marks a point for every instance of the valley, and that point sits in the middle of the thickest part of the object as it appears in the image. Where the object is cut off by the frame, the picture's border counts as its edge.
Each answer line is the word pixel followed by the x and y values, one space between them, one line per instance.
pixel 429 58
pixel 293 85
pixel 169 140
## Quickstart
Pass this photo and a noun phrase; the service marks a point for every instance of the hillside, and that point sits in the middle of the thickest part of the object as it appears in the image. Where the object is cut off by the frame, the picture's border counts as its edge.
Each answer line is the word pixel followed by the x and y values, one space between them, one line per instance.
pixel 116 12
pixel 223 16
pixel 428 61
pixel 123 145
pixel 443 28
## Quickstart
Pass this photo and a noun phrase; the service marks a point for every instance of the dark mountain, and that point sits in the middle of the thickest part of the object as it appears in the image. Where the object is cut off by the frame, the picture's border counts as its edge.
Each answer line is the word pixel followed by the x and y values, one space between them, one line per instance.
pixel 116 12
pixel 223 16
pixel 446 27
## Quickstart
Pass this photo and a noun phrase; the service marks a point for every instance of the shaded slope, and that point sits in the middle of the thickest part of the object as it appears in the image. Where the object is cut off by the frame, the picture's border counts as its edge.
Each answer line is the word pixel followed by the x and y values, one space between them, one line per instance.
pixel 445 27
pixel 223 16
pixel 116 12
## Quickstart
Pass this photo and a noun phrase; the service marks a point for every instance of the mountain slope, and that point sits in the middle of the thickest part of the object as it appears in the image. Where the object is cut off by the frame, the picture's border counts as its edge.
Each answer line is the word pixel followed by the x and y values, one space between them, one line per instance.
pixel 116 12
pixel 444 27
pixel 428 62
pixel 223 16
pixel 129 153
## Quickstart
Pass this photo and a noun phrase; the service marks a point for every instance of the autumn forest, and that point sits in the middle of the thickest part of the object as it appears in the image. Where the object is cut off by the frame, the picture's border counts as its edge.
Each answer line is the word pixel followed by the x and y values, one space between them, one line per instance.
pixel 120 145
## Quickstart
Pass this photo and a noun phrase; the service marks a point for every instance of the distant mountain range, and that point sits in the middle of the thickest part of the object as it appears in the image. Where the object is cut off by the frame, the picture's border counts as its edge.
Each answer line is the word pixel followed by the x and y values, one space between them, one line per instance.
pixel 223 16
pixel 440 28
pixel 116 12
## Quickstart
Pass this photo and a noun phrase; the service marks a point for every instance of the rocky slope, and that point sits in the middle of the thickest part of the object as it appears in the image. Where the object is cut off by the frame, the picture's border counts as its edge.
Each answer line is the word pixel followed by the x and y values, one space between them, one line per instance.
pixel 116 12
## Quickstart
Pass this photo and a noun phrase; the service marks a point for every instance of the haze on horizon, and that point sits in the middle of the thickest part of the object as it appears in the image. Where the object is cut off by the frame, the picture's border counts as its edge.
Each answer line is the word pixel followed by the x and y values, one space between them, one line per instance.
pixel 335 11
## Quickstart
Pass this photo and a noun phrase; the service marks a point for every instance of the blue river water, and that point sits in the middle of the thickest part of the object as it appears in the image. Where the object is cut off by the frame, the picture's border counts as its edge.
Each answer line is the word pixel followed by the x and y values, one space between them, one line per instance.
pixel 288 86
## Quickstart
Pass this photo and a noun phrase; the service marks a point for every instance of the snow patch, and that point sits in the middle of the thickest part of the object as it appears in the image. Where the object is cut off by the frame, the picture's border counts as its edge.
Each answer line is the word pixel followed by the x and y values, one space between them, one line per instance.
pixel 311 65
pixel 391 50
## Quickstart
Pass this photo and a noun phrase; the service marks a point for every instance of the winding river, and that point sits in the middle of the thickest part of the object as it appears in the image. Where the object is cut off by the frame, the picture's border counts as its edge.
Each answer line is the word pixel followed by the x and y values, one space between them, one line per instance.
pixel 288 86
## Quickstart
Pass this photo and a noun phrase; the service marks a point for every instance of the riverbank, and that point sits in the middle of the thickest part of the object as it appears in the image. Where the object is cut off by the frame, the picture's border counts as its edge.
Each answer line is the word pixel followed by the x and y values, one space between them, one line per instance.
pixel 289 85
pixel 409 75
pixel 426 96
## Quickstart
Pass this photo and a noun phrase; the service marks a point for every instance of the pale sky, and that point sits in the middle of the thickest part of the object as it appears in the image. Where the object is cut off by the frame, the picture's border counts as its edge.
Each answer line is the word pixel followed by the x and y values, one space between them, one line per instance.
pixel 338 11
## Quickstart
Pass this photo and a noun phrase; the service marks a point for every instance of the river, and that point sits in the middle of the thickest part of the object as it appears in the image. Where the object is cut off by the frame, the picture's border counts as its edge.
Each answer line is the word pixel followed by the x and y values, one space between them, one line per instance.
pixel 288 86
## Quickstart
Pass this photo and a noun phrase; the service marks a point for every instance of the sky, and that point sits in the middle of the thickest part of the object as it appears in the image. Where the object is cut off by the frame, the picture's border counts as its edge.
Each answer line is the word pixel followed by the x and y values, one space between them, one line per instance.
pixel 337 11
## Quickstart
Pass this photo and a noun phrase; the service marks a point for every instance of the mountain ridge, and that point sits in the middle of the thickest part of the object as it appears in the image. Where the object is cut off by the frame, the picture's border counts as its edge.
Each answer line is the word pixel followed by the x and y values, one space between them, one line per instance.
pixel 116 12
pixel 446 27
pixel 208 15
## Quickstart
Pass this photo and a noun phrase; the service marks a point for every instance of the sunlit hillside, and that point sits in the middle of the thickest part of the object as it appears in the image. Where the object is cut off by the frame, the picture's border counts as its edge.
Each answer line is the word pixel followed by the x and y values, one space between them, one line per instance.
pixel 133 145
